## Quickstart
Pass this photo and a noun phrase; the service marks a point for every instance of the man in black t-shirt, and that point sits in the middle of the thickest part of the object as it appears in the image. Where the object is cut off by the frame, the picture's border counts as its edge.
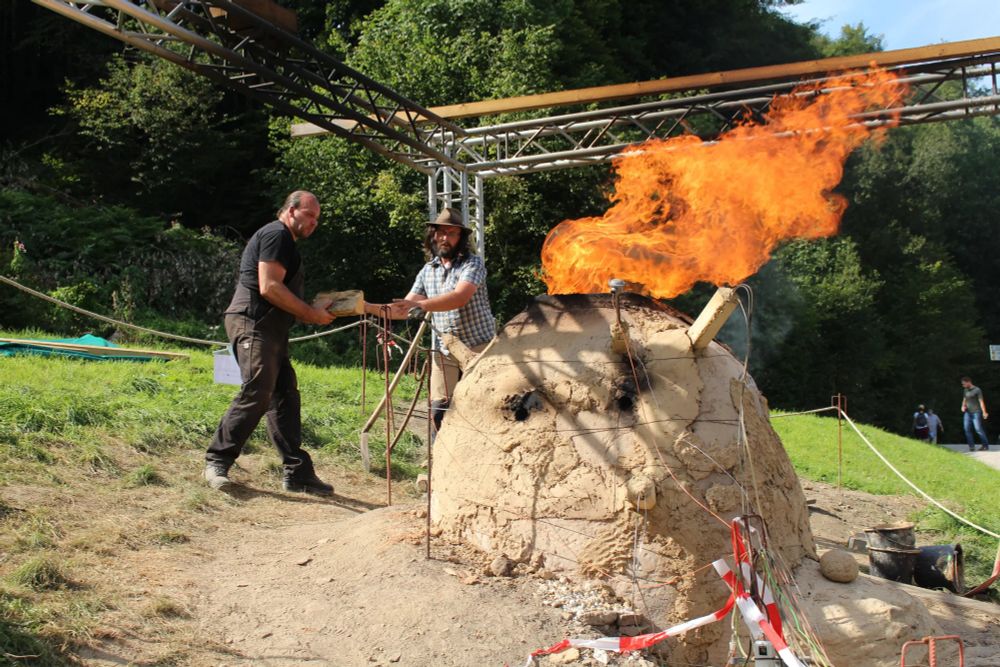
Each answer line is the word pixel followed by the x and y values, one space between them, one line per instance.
pixel 267 301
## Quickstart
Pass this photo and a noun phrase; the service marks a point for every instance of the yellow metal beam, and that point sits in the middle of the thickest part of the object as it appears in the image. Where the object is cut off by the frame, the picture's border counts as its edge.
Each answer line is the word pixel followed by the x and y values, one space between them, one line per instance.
pixel 747 76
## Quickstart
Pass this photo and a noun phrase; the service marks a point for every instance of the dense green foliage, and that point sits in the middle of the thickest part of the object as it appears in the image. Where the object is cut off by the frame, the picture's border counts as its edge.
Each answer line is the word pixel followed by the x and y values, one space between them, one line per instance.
pixel 132 184
pixel 109 260
pixel 161 138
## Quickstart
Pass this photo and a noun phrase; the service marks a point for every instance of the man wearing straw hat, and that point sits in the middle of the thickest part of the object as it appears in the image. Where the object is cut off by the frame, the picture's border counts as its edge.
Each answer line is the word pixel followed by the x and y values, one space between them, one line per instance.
pixel 452 287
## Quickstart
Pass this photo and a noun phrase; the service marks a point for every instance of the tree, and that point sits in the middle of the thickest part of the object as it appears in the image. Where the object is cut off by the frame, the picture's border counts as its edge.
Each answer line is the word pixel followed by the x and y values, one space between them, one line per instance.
pixel 816 351
pixel 922 216
pixel 161 139
pixel 32 71
pixel 853 40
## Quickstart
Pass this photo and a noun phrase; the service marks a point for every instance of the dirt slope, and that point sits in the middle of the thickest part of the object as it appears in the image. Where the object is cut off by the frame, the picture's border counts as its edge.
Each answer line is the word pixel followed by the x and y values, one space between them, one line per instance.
pixel 281 579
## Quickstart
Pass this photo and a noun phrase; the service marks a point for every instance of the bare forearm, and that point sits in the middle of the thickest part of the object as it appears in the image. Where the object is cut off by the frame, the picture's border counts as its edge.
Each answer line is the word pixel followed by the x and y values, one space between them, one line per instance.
pixel 271 278
pixel 383 309
pixel 452 300
pixel 444 302
pixel 278 295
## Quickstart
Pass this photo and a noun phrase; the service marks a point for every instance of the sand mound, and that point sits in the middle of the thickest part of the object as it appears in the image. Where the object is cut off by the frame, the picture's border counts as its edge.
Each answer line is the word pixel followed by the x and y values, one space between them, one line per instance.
pixel 321 585
pixel 559 450
pixel 358 591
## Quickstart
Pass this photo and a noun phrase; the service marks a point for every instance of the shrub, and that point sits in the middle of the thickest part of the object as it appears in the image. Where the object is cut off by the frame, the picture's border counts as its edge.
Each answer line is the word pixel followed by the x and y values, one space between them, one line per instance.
pixel 108 259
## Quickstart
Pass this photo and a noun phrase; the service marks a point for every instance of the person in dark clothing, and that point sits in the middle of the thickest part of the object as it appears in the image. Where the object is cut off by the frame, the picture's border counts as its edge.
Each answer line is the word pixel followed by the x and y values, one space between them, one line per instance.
pixel 267 301
pixel 921 424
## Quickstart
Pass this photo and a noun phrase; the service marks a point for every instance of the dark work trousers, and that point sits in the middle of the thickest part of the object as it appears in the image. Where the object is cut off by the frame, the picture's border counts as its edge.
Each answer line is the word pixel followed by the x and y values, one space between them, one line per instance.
pixel 269 389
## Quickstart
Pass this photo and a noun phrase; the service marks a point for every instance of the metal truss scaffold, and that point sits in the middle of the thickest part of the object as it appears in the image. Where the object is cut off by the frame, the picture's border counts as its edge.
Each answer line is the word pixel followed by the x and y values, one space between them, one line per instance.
pixel 940 91
pixel 236 48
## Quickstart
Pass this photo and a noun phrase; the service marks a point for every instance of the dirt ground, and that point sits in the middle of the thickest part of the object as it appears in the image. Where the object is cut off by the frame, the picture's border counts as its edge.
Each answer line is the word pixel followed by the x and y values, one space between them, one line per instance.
pixel 279 579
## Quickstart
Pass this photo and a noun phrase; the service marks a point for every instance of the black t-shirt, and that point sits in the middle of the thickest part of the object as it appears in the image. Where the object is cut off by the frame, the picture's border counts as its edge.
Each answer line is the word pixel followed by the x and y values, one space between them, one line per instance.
pixel 271 243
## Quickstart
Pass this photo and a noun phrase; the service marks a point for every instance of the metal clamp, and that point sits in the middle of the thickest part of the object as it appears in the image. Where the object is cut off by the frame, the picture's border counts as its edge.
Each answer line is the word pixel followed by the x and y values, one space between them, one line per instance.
pixel 616 285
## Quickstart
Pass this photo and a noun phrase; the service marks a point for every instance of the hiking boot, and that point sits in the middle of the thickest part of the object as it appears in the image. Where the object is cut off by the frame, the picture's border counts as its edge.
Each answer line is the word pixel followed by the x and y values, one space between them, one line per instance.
pixel 217 476
pixel 311 484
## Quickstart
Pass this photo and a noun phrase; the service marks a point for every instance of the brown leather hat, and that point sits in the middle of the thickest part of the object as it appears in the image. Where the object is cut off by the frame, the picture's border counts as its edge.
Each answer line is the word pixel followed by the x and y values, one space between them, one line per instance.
pixel 450 216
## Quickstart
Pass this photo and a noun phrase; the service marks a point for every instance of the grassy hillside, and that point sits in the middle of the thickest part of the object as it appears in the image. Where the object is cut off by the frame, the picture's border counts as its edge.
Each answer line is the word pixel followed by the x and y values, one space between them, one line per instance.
pixel 78 406
pixel 962 484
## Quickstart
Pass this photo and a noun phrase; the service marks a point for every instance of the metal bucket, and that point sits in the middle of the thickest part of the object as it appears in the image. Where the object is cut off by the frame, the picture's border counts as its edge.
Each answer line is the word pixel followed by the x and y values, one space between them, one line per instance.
pixel 940 566
pixel 892 553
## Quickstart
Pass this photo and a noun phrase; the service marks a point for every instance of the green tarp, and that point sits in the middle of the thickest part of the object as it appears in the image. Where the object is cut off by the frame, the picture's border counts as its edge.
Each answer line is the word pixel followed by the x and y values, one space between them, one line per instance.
pixel 25 346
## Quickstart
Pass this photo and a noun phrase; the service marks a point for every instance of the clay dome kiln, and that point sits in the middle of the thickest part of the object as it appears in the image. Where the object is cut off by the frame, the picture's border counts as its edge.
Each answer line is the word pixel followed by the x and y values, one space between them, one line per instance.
pixel 599 440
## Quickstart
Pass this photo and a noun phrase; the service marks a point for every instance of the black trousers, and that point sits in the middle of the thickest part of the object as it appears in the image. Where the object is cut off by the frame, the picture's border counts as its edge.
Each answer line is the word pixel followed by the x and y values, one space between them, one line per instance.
pixel 270 389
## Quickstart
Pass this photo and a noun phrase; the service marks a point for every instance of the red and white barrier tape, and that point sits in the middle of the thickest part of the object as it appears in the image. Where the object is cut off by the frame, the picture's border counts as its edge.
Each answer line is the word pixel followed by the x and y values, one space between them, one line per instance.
pixel 626 644
pixel 756 621
pixel 760 625
pixel 746 569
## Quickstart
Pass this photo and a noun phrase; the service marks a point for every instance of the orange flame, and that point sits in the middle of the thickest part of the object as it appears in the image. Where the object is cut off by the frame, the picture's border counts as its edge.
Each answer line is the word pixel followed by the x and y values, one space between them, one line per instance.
pixel 686 211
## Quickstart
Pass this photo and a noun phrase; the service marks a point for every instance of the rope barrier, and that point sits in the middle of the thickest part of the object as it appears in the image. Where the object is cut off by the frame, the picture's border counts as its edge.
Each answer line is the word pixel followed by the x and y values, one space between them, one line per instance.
pixel 804 412
pixel 162 334
pixel 81 311
pixel 996 564
pixel 914 486
pixel 326 333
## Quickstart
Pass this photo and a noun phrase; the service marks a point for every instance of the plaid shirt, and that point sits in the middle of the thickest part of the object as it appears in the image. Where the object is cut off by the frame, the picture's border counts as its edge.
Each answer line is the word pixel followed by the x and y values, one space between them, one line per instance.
pixel 473 323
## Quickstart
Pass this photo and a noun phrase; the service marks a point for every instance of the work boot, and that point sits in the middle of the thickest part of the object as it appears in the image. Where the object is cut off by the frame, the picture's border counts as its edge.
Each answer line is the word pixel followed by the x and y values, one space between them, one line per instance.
pixel 217 476
pixel 308 484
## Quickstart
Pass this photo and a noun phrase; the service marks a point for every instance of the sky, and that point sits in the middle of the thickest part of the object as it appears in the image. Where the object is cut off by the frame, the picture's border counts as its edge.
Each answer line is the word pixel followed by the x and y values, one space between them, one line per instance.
pixel 905 23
